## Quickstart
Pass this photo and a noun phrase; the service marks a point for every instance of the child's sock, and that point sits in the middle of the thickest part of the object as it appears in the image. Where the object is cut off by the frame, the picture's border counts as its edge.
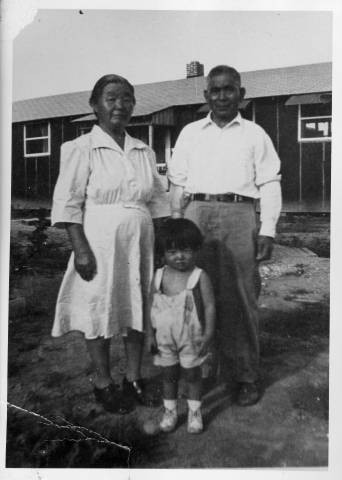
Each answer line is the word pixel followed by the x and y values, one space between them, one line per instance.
pixel 194 404
pixel 170 404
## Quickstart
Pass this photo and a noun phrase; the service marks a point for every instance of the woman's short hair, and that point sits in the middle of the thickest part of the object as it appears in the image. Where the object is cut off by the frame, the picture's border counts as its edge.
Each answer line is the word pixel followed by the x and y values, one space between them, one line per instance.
pixel 178 233
pixel 105 80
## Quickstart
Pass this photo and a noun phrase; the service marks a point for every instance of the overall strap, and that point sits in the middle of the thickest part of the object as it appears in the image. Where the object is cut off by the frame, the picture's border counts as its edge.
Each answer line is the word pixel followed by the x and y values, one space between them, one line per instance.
pixel 158 278
pixel 194 278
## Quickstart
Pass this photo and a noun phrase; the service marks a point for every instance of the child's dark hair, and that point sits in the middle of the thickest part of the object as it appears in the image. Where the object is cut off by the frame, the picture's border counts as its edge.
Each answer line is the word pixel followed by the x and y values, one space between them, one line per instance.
pixel 178 233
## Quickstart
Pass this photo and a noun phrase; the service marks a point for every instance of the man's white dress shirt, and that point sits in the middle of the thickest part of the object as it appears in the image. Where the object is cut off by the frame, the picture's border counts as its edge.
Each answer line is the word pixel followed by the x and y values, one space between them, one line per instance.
pixel 238 158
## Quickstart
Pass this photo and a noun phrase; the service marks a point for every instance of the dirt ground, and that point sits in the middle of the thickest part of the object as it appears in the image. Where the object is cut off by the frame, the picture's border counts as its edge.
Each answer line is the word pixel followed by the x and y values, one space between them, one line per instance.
pixel 53 420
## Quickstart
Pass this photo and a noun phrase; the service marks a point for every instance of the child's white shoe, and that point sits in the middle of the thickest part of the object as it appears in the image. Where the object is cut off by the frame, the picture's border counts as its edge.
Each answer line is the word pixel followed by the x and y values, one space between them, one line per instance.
pixel 195 422
pixel 169 420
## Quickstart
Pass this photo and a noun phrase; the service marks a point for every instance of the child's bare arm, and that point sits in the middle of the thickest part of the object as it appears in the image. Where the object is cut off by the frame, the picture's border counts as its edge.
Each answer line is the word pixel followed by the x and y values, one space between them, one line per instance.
pixel 150 337
pixel 208 300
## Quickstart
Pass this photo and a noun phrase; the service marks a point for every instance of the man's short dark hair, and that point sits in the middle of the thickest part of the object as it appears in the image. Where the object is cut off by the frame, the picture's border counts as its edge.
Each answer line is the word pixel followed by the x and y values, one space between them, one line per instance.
pixel 222 69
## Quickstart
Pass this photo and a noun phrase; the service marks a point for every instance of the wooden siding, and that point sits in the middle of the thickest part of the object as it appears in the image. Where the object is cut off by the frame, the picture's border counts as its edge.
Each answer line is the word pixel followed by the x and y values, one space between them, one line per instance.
pixel 305 167
pixel 265 116
pixel 289 152
pixel 35 177
pixel 165 117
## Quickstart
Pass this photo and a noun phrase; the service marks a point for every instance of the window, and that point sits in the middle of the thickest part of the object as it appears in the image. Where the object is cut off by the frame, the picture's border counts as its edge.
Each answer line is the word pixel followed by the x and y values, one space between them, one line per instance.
pixel 37 139
pixel 313 128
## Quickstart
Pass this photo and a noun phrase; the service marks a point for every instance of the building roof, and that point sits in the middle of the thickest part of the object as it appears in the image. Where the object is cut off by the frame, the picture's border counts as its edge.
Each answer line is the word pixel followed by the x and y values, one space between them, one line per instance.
pixel 153 97
pixel 309 98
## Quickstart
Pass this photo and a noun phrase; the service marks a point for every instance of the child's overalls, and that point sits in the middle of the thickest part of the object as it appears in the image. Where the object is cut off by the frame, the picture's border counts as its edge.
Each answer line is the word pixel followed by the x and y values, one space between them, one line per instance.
pixel 177 324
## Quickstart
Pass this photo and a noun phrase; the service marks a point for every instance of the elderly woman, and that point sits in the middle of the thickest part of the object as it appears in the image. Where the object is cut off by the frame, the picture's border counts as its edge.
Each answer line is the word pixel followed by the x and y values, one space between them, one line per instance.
pixel 107 189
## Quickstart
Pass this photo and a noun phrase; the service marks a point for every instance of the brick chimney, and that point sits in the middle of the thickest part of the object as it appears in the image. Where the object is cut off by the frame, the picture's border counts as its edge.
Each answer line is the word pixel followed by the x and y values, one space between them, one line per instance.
pixel 194 69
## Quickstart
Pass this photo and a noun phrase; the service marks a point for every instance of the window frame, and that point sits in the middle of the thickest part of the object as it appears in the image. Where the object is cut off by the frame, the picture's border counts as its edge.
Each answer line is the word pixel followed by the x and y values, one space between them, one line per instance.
pixel 311 139
pixel 27 139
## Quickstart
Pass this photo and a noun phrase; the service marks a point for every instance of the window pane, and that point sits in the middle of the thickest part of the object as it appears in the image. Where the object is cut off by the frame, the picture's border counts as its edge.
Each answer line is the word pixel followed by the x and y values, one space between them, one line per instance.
pixel 320 128
pixel 324 128
pixel 37 146
pixel 316 109
pixel 37 130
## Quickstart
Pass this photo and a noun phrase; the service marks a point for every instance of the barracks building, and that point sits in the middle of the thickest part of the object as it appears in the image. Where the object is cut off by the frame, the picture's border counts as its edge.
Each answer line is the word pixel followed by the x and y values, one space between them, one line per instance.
pixel 293 105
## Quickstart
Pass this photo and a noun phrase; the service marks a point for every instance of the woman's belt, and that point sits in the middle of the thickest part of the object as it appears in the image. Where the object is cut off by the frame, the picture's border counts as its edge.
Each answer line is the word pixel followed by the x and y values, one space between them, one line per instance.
pixel 221 197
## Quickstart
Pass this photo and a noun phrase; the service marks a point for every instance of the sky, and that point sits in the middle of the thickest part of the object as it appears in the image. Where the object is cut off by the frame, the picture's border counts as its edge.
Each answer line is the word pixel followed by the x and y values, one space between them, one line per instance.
pixel 65 51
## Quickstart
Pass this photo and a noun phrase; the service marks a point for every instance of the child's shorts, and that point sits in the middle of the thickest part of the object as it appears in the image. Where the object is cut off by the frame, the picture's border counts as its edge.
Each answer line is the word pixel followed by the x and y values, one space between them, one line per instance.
pixel 168 357
pixel 178 330
pixel 184 350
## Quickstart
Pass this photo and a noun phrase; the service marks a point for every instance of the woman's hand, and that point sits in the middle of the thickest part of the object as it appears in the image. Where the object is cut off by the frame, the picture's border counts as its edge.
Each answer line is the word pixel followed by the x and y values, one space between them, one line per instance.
pixel 85 264
pixel 84 261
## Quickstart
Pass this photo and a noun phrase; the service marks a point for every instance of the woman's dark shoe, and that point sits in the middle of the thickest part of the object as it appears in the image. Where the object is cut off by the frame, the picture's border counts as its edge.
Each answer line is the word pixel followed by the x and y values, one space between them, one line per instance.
pixel 112 400
pixel 138 393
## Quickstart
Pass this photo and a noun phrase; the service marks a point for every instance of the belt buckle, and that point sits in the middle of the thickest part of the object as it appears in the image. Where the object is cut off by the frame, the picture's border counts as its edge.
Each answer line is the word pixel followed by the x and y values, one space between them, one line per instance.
pixel 229 197
pixel 222 197
pixel 233 197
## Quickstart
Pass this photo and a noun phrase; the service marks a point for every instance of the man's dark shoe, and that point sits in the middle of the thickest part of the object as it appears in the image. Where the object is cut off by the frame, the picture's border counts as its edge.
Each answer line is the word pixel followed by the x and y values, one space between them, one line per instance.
pixel 112 400
pixel 137 392
pixel 248 394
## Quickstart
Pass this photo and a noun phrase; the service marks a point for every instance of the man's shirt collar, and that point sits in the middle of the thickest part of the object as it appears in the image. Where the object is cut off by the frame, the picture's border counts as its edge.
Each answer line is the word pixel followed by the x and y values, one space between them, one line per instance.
pixel 208 120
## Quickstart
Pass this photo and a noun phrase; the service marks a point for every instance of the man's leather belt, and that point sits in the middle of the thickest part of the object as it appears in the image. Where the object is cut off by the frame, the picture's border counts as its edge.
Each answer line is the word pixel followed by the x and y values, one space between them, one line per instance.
pixel 221 197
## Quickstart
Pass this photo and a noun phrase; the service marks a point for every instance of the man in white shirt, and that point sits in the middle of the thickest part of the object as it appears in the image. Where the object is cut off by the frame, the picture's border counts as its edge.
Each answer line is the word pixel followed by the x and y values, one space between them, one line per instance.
pixel 220 166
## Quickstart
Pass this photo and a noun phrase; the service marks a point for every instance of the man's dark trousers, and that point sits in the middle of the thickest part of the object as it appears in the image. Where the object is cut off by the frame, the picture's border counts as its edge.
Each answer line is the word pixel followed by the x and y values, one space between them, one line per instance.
pixel 228 256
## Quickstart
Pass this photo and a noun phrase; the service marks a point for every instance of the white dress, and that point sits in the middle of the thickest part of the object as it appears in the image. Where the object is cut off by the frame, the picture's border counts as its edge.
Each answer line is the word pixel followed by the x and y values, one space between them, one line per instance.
pixel 113 193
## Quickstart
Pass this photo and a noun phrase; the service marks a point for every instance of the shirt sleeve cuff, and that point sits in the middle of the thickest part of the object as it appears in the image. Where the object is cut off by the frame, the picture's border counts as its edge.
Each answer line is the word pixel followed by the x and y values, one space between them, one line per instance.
pixel 61 214
pixel 268 229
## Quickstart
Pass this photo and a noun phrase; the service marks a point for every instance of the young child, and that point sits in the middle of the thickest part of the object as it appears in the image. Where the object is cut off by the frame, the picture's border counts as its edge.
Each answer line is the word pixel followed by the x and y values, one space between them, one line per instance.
pixel 182 320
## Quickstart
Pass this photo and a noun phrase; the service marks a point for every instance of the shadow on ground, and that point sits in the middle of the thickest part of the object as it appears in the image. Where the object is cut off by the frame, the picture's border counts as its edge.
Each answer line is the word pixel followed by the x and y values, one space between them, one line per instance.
pixel 76 433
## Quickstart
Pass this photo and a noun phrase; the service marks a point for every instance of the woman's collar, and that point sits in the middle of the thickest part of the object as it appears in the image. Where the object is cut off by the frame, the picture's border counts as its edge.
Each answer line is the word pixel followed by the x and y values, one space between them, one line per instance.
pixel 101 139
